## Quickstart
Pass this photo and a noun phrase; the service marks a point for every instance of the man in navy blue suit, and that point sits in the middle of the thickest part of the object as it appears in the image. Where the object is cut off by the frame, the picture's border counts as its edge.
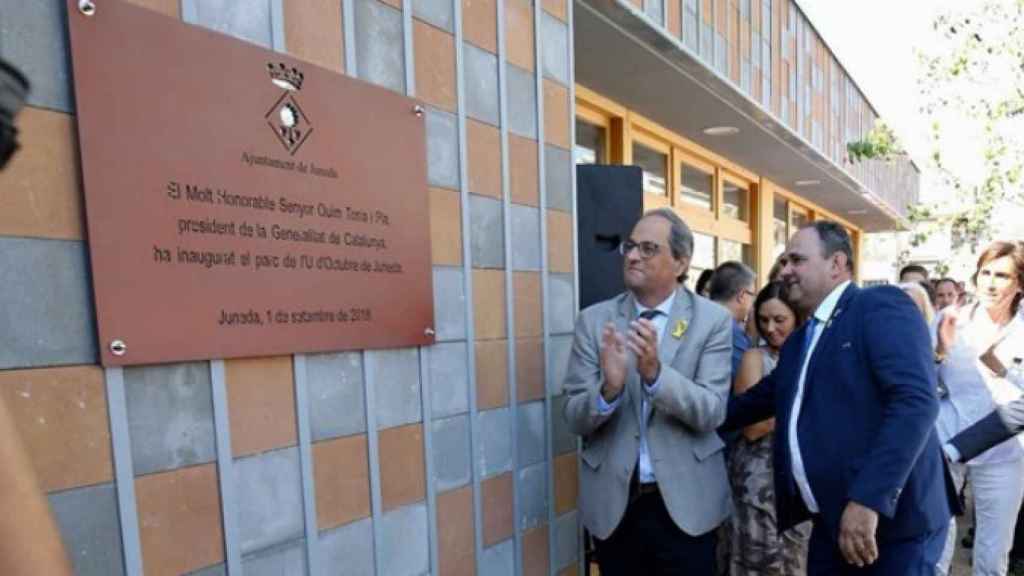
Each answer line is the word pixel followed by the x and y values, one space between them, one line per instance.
pixel 855 405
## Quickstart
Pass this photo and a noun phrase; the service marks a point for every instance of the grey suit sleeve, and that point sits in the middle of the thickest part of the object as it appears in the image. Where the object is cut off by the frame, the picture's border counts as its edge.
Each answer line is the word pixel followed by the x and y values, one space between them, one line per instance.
pixel 1001 424
pixel 583 381
pixel 700 403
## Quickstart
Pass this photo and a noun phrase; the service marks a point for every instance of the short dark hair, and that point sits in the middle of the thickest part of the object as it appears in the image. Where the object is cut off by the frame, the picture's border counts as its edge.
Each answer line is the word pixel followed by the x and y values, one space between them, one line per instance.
pixel 729 279
pixel 941 281
pixel 703 279
pixel 834 238
pixel 680 238
pixel 774 290
pixel 913 268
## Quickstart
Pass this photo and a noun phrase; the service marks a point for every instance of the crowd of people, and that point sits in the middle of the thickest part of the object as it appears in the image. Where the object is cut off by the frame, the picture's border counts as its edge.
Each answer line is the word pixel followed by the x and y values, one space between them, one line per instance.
pixel 809 427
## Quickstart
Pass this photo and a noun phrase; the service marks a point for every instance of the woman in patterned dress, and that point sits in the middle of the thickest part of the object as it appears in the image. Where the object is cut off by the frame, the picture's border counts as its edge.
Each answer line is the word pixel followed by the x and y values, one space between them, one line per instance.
pixel 757 548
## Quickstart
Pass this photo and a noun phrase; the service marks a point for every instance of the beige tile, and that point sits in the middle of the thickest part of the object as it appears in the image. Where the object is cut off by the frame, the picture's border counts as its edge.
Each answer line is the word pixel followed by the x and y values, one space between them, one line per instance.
pixel 480 24
pixel 556 114
pixel 491 374
pixel 402 475
pixel 456 555
pixel 61 415
pixel 566 483
pixel 314 32
pixel 527 297
pixel 445 227
pixel 535 552
pixel 435 65
pixel 556 8
pixel 483 151
pixel 261 404
pixel 560 241
pixel 341 474
pixel 489 303
pixel 529 370
pixel 519 33
pixel 522 158
pixel 496 501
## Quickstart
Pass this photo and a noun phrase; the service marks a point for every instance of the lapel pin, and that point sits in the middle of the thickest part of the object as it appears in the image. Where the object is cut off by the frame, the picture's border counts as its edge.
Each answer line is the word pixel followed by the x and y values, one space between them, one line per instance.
pixel 679 330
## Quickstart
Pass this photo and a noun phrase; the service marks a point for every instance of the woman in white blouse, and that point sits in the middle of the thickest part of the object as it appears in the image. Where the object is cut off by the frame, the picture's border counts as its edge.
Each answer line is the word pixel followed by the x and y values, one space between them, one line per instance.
pixel 978 350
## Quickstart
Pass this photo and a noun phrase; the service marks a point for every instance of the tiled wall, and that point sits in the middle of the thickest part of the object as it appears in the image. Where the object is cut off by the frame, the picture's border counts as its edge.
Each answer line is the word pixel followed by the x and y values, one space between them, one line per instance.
pixel 451 459
pixel 771 52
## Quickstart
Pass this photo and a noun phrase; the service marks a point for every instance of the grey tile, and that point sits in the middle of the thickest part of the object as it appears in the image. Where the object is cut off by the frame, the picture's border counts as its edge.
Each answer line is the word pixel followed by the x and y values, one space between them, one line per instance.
pixel 245 19
pixel 481 78
pixel 269 495
pixel 522 102
pixel 442 149
pixel 46 313
pixel 530 429
pixel 33 38
pixel 170 416
pixel 654 10
pixel 396 383
pixel 566 540
pixel 498 559
pixel 525 238
pixel 404 545
pixel 562 311
pixel 348 549
pixel 562 438
pixel 216 570
pixel 495 442
pixel 449 303
pixel 558 173
pixel 283 560
pixel 559 348
pixel 335 391
pixel 533 495
pixel 88 523
pixel 379 37
pixel 449 379
pixel 486 232
pixel 451 452
pixel 555 46
pixel 440 13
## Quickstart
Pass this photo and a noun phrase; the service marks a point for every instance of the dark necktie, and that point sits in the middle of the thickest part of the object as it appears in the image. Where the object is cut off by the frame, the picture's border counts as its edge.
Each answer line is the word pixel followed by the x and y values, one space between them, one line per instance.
pixel 650 314
pixel 808 338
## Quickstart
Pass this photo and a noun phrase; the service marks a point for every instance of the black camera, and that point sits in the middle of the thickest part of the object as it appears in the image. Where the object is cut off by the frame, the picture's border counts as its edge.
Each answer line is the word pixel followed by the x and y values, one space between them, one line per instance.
pixel 13 91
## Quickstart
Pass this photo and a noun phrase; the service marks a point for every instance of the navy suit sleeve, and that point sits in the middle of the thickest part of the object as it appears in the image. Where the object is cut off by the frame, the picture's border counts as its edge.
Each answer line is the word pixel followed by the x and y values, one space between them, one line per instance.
pixel 1001 424
pixel 898 350
pixel 751 407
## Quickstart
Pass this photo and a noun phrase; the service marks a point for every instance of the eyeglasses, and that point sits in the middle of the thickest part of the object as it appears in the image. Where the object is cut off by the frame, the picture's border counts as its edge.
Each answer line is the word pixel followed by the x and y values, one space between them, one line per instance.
pixel 647 249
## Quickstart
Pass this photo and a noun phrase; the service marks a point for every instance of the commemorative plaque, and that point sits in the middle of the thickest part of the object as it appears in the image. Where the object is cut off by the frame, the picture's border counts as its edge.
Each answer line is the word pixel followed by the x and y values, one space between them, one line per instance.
pixel 240 202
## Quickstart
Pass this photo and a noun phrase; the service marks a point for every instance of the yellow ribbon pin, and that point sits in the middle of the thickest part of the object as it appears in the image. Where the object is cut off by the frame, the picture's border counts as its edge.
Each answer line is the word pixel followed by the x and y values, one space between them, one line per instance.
pixel 679 330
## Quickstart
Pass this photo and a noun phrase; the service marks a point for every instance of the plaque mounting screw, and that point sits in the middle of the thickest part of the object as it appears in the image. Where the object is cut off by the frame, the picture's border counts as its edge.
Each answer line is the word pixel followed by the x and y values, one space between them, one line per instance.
pixel 118 347
pixel 428 332
pixel 87 7
pixel 418 111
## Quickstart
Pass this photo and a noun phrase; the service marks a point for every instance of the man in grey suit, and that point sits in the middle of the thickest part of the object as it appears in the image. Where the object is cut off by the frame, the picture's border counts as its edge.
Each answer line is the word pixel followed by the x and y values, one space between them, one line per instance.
pixel 648 382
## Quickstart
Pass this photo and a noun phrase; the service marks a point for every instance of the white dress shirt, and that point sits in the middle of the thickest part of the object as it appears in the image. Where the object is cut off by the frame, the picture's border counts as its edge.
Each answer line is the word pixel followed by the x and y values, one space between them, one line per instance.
pixel 822 315
pixel 645 470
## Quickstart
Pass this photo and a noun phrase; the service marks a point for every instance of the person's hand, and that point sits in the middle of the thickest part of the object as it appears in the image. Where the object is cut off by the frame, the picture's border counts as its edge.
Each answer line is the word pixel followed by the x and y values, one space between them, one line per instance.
pixel 947 331
pixel 613 362
pixel 643 341
pixel 857 535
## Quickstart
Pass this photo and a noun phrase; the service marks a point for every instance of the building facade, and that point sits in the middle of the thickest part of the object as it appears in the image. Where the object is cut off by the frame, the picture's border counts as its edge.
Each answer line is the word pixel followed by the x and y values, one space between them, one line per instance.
pixel 449 459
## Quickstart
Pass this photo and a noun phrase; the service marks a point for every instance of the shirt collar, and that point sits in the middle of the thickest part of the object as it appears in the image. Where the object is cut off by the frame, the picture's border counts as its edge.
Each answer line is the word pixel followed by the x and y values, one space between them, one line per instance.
pixel 828 305
pixel 665 307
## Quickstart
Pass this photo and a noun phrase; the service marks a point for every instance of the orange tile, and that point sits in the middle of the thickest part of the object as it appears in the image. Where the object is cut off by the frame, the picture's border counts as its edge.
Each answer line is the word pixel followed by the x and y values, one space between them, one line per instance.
pixel 491 374
pixel 560 241
pixel 435 65
pixel 455 550
pixel 445 227
pixel 42 192
pixel 313 32
pixel 489 303
pixel 572 570
pixel 480 24
pixel 261 404
pixel 522 158
pixel 165 7
pixel 527 295
pixel 402 476
pixel 529 370
pixel 496 503
pixel 341 473
pixel 535 552
pixel 556 8
pixel 179 520
pixel 393 3
pixel 519 33
pixel 566 482
pixel 483 150
pixel 61 414
pixel 556 114
pixel 675 23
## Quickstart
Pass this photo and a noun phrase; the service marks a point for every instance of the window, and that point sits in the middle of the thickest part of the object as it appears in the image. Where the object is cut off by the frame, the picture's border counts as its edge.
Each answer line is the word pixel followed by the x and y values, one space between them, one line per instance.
pixel 703 258
pixel 654 165
pixel 798 218
pixel 590 143
pixel 735 201
pixel 732 250
pixel 780 222
pixel 695 186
